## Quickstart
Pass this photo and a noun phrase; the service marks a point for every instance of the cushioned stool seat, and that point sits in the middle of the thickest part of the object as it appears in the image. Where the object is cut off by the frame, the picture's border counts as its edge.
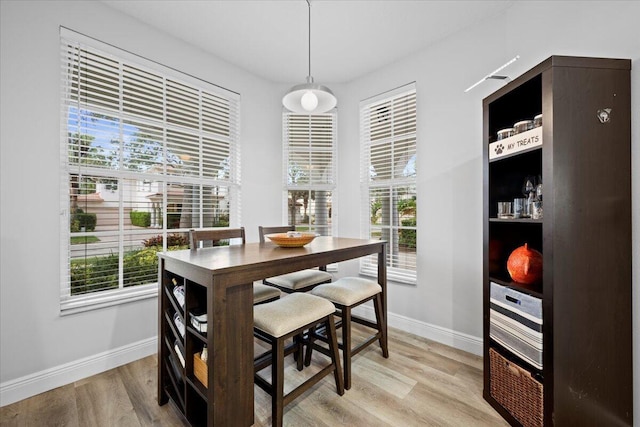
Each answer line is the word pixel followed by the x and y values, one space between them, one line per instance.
pixel 347 293
pixel 277 321
pixel 263 293
pixel 348 290
pixel 299 280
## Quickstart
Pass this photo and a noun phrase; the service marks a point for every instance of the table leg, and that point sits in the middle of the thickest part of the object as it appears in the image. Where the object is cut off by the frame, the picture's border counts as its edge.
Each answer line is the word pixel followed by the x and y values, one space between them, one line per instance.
pixel 382 281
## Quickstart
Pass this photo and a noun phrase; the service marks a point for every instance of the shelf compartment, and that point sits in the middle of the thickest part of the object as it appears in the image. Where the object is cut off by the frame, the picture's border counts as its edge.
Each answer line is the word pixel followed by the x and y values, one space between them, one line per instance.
pixel 176 370
pixel 171 347
pixel 515 321
pixel 198 386
pixel 196 412
pixel 173 279
pixel 172 299
pixel 516 390
pixel 533 290
pixel 521 103
pixel 507 176
pixel 174 391
pixel 506 236
pixel 176 334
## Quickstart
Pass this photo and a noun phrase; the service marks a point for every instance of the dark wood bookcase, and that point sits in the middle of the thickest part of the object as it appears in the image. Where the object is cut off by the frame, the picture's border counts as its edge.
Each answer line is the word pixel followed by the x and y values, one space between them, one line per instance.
pixel 584 236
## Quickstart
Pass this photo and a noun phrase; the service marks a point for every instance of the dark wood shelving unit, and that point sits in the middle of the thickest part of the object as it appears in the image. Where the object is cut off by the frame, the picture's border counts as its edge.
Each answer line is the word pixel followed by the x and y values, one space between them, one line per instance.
pixel 182 387
pixel 584 237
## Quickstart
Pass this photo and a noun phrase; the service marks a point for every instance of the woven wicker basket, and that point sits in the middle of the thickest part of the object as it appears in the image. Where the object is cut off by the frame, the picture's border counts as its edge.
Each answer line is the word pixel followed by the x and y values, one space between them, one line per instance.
pixel 516 390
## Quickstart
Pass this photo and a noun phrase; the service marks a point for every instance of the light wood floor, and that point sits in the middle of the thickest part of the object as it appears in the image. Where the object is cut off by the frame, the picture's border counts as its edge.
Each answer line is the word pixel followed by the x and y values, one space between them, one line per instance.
pixel 423 383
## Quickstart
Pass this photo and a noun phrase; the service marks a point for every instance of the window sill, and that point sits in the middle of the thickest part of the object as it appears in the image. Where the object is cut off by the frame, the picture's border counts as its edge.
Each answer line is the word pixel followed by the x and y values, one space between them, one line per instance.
pixel 98 300
pixel 393 275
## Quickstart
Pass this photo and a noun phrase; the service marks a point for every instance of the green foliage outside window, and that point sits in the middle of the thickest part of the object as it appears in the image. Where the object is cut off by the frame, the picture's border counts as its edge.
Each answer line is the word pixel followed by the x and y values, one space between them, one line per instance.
pixel 173 240
pixel 407 205
pixel 81 219
pixel 408 237
pixel 140 219
pixel 101 272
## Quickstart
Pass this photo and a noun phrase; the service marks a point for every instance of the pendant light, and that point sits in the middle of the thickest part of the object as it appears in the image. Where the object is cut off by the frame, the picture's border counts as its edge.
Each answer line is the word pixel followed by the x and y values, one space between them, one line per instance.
pixel 309 98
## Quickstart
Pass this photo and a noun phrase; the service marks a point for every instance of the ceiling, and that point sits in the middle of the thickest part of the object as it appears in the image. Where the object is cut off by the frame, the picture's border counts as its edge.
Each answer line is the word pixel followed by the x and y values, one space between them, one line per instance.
pixel 349 38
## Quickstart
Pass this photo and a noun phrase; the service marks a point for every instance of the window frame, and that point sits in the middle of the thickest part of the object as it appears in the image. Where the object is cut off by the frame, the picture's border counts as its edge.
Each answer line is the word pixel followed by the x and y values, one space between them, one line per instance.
pixel 231 181
pixel 368 265
pixel 315 184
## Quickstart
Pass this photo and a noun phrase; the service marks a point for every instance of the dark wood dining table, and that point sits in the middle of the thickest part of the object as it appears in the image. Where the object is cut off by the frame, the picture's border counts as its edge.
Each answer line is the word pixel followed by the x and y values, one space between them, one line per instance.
pixel 227 274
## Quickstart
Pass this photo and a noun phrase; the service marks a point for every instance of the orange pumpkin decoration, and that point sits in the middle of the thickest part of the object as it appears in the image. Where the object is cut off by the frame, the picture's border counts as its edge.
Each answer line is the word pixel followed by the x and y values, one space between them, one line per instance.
pixel 525 265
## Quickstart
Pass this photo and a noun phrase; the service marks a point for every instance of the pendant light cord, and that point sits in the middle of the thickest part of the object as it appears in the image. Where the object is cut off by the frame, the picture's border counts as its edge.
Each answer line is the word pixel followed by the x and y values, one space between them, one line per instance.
pixel 309 7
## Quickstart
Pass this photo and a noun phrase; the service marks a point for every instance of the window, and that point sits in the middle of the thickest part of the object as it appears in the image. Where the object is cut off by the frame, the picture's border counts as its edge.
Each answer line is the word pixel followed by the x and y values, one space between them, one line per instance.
pixel 309 172
pixel 388 177
pixel 147 153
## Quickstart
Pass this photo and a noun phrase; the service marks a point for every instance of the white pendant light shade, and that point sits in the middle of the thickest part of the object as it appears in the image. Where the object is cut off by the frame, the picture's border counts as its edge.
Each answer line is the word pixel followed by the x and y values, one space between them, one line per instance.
pixel 309 98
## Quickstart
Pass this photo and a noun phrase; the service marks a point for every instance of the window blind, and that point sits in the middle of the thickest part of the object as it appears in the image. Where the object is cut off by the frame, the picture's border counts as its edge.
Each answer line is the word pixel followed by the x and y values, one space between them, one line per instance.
pixel 388 177
pixel 309 155
pixel 146 154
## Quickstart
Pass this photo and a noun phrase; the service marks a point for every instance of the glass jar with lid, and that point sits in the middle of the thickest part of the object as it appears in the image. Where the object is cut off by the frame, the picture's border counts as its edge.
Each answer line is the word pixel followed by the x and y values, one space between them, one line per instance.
pixel 537 121
pixel 505 133
pixel 523 126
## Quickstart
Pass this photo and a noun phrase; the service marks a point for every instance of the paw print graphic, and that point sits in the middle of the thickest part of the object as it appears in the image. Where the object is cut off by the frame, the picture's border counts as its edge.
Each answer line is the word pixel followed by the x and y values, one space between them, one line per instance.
pixel 499 149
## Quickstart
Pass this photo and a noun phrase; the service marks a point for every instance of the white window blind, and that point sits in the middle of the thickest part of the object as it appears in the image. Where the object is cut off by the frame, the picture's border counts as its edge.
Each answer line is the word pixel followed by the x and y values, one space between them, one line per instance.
pixel 388 178
pixel 146 153
pixel 309 151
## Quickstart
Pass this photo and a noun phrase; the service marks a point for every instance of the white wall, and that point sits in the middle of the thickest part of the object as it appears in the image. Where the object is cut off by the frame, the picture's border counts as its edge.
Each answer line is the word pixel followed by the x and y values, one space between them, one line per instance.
pixel 36 344
pixel 449 290
pixel 447 300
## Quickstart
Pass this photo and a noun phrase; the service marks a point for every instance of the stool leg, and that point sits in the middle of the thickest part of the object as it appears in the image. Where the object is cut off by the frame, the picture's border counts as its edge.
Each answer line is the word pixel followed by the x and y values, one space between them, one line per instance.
pixel 311 339
pixel 299 341
pixel 346 345
pixel 335 354
pixel 380 320
pixel 277 382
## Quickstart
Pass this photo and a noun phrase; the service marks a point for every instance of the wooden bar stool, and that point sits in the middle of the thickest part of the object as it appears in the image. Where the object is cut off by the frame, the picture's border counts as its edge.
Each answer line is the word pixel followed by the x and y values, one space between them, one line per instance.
pixel 347 293
pixel 298 281
pixel 277 321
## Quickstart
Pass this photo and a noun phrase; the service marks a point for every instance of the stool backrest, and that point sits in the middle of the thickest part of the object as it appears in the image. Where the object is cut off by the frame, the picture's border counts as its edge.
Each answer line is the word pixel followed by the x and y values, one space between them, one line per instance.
pixel 262 231
pixel 214 235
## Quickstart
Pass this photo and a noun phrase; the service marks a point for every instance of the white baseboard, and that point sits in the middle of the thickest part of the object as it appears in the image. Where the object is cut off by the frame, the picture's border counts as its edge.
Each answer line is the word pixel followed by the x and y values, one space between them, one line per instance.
pixel 39 382
pixel 439 334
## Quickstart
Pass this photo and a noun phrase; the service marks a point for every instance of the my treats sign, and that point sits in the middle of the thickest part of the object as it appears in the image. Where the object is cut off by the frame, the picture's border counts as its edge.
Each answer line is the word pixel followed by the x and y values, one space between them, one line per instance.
pixel 514 144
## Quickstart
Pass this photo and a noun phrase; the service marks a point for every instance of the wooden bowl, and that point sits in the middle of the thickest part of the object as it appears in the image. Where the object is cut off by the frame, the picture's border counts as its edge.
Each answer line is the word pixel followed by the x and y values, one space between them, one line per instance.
pixel 291 240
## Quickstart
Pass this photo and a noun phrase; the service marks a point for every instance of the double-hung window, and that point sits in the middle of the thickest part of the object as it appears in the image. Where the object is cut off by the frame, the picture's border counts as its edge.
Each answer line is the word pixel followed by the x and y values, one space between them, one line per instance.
pixel 388 178
pixel 309 170
pixel 147 153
